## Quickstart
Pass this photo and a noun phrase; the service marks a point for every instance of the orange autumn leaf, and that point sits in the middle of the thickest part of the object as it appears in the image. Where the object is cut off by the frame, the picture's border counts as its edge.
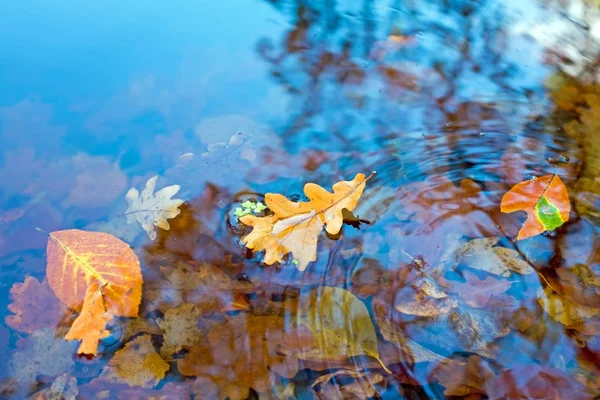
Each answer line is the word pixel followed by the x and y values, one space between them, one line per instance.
pixel 295 227
pixel 544 199
pixel 89 325
pixel 79 259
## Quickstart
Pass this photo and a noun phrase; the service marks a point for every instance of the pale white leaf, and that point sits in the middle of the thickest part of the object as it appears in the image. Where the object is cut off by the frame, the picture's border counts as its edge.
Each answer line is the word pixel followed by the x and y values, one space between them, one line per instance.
pixel 151 209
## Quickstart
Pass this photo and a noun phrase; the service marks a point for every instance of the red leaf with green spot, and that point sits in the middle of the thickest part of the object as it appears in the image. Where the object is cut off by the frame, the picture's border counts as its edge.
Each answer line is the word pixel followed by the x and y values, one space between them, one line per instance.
pixel 544 199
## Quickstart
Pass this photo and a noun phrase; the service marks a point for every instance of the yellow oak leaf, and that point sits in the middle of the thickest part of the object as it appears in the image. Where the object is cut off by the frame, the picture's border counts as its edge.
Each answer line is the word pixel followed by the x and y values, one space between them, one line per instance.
pixel 295 227
pixel 89 325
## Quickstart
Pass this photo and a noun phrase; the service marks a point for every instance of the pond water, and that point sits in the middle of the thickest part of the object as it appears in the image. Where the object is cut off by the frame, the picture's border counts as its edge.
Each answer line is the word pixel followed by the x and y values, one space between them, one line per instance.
pixel 452 103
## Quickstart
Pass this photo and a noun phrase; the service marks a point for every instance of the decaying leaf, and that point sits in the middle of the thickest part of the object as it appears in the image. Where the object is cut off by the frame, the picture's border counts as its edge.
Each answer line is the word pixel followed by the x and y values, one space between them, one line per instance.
pixel 424 298
pixel 477 292
pixel 295 227
pixel 181 329
pixel 361 385
pixel 89 325
pixel 463 377
pixel 77 259
pixel 35 306
pixel 243 353
pixel 533 381
pixel 152 209
pixel 135 326
pixel 136 364
pixel 280 392
pixel 545 200
pixel 584 130
pixel 476 330
pixel 64 387
pixel 412 352
pixel 480 254
pixel 568 313
pixel 41 354
pixel 340 324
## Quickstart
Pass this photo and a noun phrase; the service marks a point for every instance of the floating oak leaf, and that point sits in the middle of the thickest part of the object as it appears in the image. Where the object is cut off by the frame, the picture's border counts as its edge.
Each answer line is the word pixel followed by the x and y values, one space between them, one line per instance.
pixel 295 227
pixel 545 200
pixel 361 386
pixel 41 354
pixel 89 327
pixel 35 306
pixel 152 209
pixel 477 292
pixel 78 259
pixel 136 364
pixel 340 324
pixel 480 254
pixel 572 315
pixel 463 378
pixel 181 326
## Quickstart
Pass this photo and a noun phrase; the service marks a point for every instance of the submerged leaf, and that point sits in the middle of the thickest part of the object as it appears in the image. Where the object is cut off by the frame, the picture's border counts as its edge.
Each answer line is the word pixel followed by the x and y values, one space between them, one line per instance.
pixel 480 254
pixel 570 314
pixel 136 364
pixel 424 298
pixel 34 306
pixel 362 386
pixel 152 209
pixel 243 353
pixel 476 330
pixel 545 200
pixel 477 292
pixel 463 378
pixel 412 352
pixel 41 354
pixel 64 387
pixel 295 227
pixel 205 285
pixel 340 324
pixel 181 328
